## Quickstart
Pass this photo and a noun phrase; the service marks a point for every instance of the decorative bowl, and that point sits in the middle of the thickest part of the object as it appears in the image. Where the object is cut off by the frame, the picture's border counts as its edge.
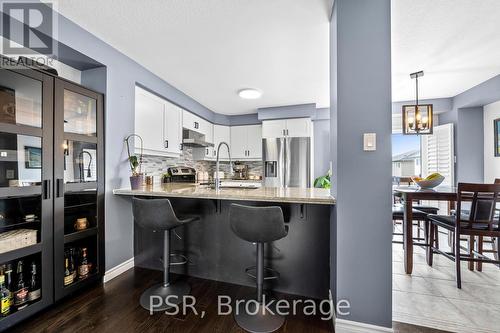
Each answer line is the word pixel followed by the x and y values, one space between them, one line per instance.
pixel 427 184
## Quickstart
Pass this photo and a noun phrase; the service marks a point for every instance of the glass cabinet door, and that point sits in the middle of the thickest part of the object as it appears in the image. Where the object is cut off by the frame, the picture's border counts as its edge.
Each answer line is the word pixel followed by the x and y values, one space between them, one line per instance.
pixel 20 99
pixel 78 172
pixel 79 113
pixel 26 174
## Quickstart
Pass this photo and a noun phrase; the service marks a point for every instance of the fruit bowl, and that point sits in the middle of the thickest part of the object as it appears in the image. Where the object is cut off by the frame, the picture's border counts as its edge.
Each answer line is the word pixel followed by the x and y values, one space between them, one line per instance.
pixel 427 183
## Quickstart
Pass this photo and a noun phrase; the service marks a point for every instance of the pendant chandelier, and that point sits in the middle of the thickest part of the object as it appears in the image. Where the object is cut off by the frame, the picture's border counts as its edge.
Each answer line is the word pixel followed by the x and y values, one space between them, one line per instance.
pixel 417 118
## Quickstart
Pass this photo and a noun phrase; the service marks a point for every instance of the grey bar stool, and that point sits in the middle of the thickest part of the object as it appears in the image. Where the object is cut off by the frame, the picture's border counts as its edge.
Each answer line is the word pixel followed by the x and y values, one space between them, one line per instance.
pixel 158 215
pixel 258 225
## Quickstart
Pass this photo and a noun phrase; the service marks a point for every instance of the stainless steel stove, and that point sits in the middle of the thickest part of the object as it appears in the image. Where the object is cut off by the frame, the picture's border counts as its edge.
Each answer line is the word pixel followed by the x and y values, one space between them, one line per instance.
pixel 182 174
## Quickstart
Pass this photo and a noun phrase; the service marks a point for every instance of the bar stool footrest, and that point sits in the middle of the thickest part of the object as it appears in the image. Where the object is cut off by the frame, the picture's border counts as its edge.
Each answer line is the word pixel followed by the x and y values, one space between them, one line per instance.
pixel 252 272
pixel 184 260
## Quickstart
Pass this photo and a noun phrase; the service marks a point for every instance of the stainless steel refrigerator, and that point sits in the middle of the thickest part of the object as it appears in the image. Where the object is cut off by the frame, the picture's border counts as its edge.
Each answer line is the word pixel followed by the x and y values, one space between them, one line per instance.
pixel 287 161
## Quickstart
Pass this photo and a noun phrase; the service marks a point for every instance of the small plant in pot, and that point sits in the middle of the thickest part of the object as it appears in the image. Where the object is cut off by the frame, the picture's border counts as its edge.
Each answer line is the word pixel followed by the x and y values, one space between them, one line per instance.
pixel 137 178
pixel 324 181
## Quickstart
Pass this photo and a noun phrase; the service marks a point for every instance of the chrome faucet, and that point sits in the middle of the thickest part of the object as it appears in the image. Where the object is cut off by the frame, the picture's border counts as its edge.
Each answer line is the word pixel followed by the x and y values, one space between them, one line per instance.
pixel 217 178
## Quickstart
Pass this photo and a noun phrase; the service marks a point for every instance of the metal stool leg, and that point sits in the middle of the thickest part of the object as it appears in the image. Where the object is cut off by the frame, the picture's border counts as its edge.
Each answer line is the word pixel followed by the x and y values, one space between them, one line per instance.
pixel 258 319
pixel 163 296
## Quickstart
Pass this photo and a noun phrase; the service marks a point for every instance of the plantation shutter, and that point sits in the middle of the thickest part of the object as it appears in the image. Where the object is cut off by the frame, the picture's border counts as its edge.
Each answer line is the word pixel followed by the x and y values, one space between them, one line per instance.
pixel 438 153
pixel 438 156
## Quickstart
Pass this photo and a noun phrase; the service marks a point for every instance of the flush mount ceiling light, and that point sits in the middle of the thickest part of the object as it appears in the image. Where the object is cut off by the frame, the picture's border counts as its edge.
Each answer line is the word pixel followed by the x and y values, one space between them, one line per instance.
pixel 249 93
pixel 417 119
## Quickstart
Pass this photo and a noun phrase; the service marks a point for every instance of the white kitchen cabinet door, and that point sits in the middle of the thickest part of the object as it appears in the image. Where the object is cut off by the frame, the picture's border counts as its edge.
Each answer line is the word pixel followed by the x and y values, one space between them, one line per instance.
pixel 190 121
pixel 238 142
pixel 173 128
pixel 298 127
pixel 207 129
pixel 149 118
pixel 222 134
pixel 273 128
pixel 254 142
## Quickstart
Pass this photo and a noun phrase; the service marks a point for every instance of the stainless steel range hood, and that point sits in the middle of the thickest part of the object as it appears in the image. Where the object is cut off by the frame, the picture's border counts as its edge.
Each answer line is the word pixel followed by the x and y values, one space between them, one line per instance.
pixel 194 139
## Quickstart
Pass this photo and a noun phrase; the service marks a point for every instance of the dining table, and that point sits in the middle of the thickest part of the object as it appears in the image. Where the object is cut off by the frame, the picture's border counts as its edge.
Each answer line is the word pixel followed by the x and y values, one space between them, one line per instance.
pixel 410 193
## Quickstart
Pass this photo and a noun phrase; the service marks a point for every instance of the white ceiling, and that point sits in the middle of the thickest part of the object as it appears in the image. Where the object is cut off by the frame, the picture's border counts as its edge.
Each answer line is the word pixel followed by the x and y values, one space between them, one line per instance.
pixel 209 49
pixel 455 42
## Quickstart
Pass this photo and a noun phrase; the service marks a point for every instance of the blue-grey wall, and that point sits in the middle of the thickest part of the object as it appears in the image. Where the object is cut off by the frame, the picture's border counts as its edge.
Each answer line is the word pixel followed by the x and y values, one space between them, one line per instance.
pixel 439 104
pixel 361 66
pixel 467 117
pixel 470 145
pixel 321 147
pixel 287 111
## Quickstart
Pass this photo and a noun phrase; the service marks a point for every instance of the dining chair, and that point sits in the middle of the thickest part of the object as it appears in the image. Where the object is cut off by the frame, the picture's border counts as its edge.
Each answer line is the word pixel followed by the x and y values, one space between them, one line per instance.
pixel 494 242
pixel 480 221
pixel 419 211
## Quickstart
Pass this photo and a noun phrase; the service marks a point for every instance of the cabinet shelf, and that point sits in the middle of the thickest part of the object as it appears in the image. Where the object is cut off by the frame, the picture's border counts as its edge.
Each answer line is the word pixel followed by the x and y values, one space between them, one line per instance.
pixel 74 236
pixel 19 253
pixel 18 224
pixel 87 204
pixel 80 283
pixel 16 316
pixel 77 187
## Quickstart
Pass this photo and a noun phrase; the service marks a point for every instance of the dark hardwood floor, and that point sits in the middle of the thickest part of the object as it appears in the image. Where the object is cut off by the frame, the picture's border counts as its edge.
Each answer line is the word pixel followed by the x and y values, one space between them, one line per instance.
pixel 114 307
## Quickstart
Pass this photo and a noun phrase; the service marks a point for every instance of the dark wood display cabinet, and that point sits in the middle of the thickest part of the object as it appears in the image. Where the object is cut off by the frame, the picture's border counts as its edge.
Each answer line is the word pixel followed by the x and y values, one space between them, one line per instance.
pixel 51 190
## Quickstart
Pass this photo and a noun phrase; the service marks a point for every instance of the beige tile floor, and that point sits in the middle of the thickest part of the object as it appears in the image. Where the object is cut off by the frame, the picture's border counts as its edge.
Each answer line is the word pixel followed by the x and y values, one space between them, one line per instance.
pixel 429 297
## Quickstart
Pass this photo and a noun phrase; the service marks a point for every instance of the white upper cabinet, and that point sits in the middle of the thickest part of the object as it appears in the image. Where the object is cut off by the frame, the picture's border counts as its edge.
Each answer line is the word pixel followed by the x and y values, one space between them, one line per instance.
pixel 173 130
pixel 238 142
pixel 273 128
pixel 195 123
pixel 254 141
pixel 149 121
pixel 297 127
pixel 222 134
pixel 246 142
pixel 190 121
pixel 157 121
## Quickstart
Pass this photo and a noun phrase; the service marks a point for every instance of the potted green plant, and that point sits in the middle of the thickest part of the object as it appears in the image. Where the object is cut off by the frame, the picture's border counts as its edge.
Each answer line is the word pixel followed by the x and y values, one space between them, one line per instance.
pixel 135 162
pixel 324 181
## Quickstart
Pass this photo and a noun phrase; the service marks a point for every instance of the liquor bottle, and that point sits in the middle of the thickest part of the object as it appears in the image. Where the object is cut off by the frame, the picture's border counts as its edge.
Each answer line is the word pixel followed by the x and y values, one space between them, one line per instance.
pixel 68 277
pixel 4 297
pixel 9 283
pixel 34 289
pixel 83 267
pixel 72 268
pixel 21 293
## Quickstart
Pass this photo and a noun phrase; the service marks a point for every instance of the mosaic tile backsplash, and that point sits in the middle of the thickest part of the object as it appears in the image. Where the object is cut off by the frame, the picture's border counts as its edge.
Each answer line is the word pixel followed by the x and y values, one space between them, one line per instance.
pixel 157 165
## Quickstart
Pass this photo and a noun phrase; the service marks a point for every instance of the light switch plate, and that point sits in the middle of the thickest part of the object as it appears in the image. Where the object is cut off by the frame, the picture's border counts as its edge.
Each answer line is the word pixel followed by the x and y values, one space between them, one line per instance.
pixel 370 141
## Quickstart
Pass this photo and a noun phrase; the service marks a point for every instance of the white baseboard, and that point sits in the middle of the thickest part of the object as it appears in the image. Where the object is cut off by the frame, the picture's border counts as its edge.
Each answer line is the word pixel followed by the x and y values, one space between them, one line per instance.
pixel 347 326
pixel 118 269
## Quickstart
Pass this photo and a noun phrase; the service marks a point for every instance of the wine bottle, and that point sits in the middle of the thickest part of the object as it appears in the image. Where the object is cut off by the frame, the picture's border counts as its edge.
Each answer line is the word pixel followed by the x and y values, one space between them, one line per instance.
pixel 4 297
pixel 83 268
pixel 34 289
pixel 68 277
pixel 72 268
pixel 9 283
pixel 21 293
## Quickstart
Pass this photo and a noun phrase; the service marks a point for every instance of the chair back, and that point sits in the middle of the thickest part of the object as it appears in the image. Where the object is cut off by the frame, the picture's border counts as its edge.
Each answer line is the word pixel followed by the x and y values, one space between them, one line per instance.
pixel 484 199
pixel 155 214
pixel 257 224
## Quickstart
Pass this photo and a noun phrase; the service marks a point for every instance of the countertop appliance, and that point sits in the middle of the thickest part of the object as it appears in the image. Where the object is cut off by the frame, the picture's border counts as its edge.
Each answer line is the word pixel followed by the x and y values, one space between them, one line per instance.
pixel 287 161
pixel 182 174
pixel 240 171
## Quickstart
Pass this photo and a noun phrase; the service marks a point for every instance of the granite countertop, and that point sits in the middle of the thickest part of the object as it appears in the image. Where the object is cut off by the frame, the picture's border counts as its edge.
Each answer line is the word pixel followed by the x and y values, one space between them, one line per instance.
pixel 268 194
